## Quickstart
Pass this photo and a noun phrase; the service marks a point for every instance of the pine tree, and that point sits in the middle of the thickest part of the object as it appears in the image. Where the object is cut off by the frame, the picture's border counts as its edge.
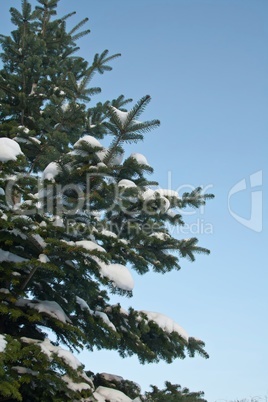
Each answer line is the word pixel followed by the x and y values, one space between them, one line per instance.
pixel 173 393
pixel 75 216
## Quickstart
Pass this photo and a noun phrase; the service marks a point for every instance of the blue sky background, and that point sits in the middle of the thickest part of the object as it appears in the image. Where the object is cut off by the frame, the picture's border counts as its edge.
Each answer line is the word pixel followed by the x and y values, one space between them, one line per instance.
pixel 205 64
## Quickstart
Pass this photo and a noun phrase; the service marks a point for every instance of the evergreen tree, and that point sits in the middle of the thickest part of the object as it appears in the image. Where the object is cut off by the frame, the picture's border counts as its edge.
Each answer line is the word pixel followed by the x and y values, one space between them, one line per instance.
pixel 173 393
pixel 75 216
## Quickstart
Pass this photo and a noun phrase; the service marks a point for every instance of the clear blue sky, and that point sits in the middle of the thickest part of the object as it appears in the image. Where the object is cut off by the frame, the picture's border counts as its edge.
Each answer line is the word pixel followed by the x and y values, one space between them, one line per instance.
pixel 205 64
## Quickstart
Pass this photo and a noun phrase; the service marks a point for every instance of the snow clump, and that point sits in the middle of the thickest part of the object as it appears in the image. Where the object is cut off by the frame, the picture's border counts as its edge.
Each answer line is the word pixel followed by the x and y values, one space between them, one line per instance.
pixel 166 323
pixel 3 343
pixel 139 158
pixel 9 149
pixel 51 171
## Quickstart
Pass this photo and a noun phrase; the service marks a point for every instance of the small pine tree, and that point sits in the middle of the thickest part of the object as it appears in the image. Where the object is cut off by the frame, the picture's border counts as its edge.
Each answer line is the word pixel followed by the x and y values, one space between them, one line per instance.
pixel 74 217
pixel 173 393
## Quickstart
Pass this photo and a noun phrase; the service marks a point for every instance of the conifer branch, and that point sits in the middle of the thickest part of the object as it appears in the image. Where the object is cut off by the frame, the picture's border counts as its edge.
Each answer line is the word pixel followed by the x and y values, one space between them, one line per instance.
pixel 29 277
pixel 78 26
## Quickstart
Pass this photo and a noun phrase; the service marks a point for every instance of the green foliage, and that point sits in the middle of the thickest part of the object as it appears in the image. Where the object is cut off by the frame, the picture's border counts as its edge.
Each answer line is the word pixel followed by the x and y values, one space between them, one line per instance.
pixel 74 217
pixel 173 393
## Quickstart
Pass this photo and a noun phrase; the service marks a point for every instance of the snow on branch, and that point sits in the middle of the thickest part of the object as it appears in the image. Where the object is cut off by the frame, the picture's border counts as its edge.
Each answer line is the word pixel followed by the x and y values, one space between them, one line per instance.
pixel 139 158
pixel 92 141
pixel 8 256
pixel 74 386
pixel 166 323
pixel 45 306
pixel 103 394
pixel 117 273
pixel 49 349
pixel 3 343
pixel 9 149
